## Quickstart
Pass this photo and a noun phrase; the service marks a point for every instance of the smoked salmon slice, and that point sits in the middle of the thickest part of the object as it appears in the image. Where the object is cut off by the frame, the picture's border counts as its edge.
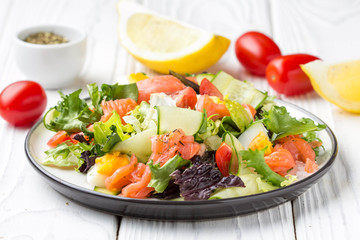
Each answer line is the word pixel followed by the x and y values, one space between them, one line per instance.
pixel 167 84
pixel 121 106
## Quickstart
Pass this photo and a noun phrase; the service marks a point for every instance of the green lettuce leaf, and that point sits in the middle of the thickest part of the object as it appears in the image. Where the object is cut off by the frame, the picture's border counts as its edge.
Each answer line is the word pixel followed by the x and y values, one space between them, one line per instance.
pixel 108 133
pixel 116 91
pixel 71 114
pixel 279 121
pixel 141 111
pixel 110 92
pixel 289 180
pixel 238 114
pixel 208 128
pixel 253 185
pixel 65 154
pixel 145 116
pixel 255 159
pixel 160 175
pixel 228 125
pixel 95 96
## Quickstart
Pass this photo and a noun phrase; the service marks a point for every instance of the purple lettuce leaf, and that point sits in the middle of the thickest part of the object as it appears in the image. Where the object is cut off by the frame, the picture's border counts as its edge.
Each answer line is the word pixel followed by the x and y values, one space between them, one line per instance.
pixel 200 180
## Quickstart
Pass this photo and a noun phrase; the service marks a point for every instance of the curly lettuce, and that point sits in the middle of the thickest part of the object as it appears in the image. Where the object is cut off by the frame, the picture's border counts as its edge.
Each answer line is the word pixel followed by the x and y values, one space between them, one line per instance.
pixel 108 133
pixel 255 159
pixel 281 124
pixel 160 176
pixel 71 114
pixel 238 114
pixel 65 155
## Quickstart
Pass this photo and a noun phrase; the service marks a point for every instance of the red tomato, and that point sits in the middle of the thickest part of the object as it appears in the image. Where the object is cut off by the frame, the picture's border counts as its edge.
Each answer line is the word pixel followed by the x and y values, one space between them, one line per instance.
pixel 186 98
pixel 223 158
pixel 59 137
pixel 250 109
pixel 255 50
pixel 22 103
pixel 285 75
pixel 216 110
pixel 206 87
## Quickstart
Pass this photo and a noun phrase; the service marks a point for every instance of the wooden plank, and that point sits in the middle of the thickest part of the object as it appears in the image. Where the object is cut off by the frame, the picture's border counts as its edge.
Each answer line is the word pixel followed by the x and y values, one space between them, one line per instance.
pixel 330 208
pixel 231 19
pixel 275 223
pixel 29 208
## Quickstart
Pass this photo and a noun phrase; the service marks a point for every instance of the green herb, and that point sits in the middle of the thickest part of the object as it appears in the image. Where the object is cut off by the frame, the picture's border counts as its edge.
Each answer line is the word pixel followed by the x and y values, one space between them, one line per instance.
pixel 185 81
pixel 279 121
pixel 160 175
pixel 255 159
pixel 46 38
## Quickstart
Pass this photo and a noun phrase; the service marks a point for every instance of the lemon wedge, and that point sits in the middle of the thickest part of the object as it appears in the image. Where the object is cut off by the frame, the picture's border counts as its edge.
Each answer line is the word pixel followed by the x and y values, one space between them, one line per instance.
pixel 135 77
pixel 162 43
pixel 337 83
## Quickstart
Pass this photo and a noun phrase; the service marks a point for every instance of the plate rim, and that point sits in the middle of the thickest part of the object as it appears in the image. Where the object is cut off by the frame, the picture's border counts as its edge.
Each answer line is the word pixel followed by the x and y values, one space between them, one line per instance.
pixel 273 193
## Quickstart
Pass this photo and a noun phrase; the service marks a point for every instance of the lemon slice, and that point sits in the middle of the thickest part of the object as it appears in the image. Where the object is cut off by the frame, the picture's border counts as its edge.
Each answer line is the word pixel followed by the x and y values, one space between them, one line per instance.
pixel 338 83
pixel 162 43
pixel 135 77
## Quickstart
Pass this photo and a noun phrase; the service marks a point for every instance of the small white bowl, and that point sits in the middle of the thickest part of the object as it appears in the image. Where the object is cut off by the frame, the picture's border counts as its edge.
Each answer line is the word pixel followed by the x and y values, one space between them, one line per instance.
pixel 53 65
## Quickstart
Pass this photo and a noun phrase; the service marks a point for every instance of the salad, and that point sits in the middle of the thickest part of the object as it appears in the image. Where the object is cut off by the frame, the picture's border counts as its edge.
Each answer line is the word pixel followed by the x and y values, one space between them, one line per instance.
pixel 199 137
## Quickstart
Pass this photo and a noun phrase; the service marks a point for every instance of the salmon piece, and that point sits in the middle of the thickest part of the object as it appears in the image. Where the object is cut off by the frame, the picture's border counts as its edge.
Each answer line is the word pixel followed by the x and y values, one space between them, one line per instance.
pixel 218 108
pixel 121 106
pixel 280 161
pixel 121 176
pixel 310 166
pixel 300 149
pixel 287 138
pixel 186 98
pixel 140 179
pixel 167 84
pixel 168 145
pixel 315 144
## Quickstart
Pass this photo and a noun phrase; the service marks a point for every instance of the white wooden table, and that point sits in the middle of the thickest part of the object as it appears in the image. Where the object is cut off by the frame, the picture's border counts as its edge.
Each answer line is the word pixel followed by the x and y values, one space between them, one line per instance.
pixel 30 209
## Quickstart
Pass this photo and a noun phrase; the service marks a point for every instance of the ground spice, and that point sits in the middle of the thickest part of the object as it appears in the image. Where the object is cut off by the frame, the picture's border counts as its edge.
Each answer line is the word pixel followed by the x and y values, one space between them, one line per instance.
pixel 46 38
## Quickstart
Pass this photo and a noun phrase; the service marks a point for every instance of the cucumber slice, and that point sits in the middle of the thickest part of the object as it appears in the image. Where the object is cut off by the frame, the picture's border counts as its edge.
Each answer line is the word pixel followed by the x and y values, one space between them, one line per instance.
pixel 244 93
pixel 238 91
pixel 222 80
pixel 246 137
pixel 236 146
pixel 201 76
pixel 139 144
pixel 171 118
pixel 105 190
pixel 50 116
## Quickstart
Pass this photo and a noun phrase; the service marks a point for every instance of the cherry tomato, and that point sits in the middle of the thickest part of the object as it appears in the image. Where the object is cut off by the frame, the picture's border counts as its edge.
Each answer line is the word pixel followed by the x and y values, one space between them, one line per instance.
pixel 285 75
pixel 206 87
pixel 250 109
pixel 59 137
pixel 223 158
pixel 22 103
pixel 185 98
pixel 255 50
